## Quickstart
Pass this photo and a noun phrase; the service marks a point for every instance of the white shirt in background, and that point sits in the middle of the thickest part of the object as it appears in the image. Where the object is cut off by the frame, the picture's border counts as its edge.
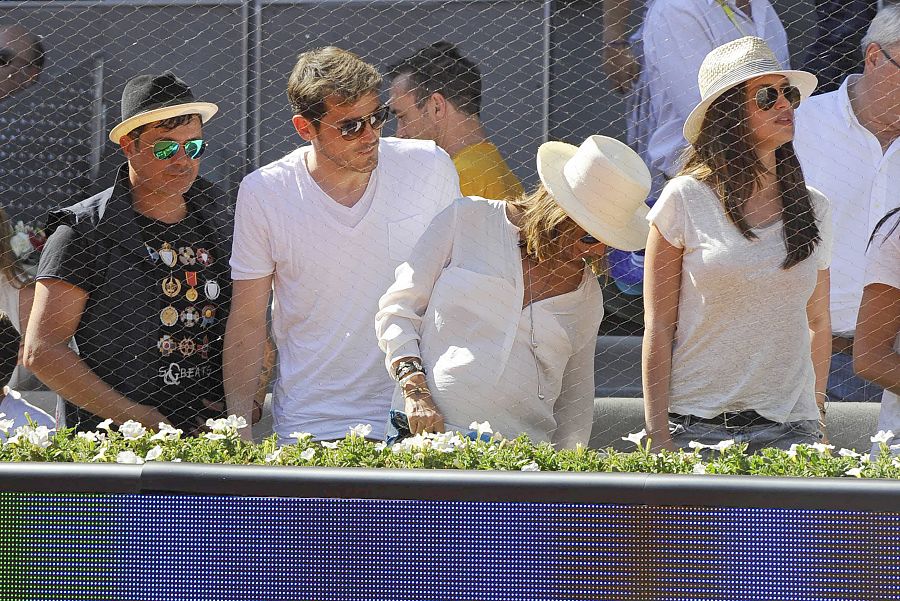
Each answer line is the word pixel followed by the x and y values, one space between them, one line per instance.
pixel 677 36
pixel 457 304
pixel 884 268
pixel 742 340
pixel 331 264
pixel 844 160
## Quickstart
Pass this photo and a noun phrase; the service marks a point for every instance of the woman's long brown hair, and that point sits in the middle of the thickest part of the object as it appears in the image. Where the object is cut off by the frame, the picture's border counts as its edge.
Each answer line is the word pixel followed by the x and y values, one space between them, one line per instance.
pixel 723 157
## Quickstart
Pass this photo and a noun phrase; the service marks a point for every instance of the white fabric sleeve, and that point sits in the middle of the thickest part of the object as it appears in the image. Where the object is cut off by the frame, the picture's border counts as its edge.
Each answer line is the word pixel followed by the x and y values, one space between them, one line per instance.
pixel 883 256
pixel 574 409
pixel 400 310
pixel 251 255
pixel 822 208
pixel 675 43
pixel 668 214
pixel 446 179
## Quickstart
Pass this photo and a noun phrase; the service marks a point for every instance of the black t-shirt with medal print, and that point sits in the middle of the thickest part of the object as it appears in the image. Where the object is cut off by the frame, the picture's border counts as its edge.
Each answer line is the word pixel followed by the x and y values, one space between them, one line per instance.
pixel 191 291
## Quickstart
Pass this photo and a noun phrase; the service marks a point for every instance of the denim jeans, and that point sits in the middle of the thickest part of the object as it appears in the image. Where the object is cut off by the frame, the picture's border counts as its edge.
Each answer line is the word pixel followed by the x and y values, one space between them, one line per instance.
pixel 779 436
pixel 844 385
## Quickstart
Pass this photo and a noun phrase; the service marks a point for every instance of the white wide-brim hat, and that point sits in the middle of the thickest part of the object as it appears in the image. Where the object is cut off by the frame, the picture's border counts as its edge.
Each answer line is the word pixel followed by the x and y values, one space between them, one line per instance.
pixel 732 64
pixel 602 186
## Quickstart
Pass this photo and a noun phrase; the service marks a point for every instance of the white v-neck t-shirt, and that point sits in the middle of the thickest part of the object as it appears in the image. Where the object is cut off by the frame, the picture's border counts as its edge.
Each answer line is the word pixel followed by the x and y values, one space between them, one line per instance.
pixel 331 264
pixel 742 340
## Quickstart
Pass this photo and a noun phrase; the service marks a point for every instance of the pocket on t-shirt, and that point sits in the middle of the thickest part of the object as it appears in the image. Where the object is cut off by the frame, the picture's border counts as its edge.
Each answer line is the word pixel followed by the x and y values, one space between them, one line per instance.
pixel 403 235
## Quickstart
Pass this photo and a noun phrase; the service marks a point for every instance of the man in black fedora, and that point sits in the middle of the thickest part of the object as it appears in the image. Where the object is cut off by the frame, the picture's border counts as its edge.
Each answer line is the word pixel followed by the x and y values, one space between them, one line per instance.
pixel 138 276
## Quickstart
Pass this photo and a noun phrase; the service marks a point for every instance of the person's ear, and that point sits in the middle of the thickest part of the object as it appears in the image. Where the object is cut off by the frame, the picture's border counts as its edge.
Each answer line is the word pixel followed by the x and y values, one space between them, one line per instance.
pixel 873 52
pixel 304 127
pixel 438 106
pixel 128 144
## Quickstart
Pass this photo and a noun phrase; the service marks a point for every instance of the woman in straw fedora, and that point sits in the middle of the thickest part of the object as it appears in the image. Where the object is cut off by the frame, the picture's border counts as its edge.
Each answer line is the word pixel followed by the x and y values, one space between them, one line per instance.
pixel 737 339
pixel 495 316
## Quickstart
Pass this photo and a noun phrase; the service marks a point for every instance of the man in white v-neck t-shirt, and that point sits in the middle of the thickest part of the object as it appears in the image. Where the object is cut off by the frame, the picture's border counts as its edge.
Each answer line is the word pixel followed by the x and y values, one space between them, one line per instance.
pixel 325 227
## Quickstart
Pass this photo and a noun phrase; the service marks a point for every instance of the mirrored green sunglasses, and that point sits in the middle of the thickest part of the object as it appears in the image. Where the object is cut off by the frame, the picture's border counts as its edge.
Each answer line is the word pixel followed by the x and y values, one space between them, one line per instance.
pixel 166 149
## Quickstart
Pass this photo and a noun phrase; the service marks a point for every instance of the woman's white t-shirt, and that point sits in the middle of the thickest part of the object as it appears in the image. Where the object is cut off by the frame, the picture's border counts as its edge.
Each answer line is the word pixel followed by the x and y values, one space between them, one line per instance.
pixel 742 340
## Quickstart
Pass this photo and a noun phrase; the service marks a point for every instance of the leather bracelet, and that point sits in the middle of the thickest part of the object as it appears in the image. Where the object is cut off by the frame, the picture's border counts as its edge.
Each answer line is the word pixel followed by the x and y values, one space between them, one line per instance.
pixel 406 367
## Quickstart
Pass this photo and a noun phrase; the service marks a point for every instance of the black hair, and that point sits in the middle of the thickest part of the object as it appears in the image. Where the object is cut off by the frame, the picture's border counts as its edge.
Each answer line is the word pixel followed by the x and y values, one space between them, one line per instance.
pixel 881 222
pixel 441 69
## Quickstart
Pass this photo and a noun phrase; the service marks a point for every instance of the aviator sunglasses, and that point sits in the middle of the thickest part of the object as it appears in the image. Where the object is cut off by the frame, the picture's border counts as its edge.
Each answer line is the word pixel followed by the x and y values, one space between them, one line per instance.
pixel 354 128
pixel 767 96
pixel 166 149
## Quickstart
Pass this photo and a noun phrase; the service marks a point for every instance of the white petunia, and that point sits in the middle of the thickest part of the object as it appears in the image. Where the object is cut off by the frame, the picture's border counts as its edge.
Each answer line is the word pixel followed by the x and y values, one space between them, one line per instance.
pixel 105 425
pixel 882 436
pixel 849 453
pixel 308 454
pixel 380 446
pixel 636 437
pixel 792 452
pixel 154 453
pixel 167 432
pixel 531 467
pixel 274 456
pixel 5 424
pixel 722 445
pixel 856 471
pixel 128 457
pixel 301 436
pixel 39 436
pixel 214 436
pixel 91 436
pixel 132 430
pixel 822 447
pixel 235 422
pixel 360 430
pixel 697 446
pixel 481 428
pixel 330 444
pixel 699 468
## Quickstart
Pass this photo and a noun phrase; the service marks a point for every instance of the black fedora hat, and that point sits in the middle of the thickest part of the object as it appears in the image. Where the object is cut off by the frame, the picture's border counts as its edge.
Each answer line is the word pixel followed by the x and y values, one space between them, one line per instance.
pixel 150 98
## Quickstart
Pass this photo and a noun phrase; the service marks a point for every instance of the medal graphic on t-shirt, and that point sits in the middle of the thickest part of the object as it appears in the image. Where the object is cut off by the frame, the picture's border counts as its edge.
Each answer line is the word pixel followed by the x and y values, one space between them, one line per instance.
pixel 169 316
pixel 203 348
pixel 212 289
pixel 186 255
pixel 187 347
pixel 190 317
pixel 204 257
pixel 171 286
pixel 168 255
pixel 154 256
pixel 209 315
pixel 191 278
pixel 166 345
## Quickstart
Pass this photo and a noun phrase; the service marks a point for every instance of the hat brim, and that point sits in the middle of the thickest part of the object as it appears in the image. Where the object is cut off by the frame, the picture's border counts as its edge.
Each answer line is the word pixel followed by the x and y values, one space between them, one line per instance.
pixel 805 82
pixel 551 158
pixel 205 109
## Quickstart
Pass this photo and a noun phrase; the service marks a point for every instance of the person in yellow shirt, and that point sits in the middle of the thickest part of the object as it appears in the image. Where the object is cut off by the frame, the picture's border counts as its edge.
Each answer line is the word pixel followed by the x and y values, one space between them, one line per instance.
pixel 436 95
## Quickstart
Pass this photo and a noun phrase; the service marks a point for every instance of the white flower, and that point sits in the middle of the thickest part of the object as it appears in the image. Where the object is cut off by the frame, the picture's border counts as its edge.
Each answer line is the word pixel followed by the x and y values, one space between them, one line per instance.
pixel 697 446
pixel 481 428
pixel 39 436
pixel 271 457
pixel 308 454
pixel 214 436
pixel 849 453
pixel 380 446
pixel 699 468
pixel 128 457
pixel 329 445
pixel 236 422
pixel 792 452
pixel 5 424
pixel 21 245
pixel 91 436
pixel 176 460
pixel 154 453
pixel 301 436
pixel 636 437
pixel 882 436
pixel 232 423
pixel 822 447
pixel 100 456
pixel 132 430
pixel 722 445
pixel 856 471
pixel 167 432
pixel 105 425
pixel 894 447
pixel 531 467
pixel 360 430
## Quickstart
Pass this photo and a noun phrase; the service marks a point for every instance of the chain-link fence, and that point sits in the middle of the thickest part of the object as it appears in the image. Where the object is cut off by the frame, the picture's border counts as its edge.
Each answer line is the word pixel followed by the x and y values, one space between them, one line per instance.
pixel 150 320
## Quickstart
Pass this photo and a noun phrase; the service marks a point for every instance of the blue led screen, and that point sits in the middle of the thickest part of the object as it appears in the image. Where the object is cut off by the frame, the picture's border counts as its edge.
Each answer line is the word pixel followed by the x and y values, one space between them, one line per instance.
pixel 143 547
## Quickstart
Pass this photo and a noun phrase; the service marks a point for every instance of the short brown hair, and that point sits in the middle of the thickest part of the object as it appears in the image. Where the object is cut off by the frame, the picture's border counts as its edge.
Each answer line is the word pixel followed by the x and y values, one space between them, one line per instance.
pixel 325 72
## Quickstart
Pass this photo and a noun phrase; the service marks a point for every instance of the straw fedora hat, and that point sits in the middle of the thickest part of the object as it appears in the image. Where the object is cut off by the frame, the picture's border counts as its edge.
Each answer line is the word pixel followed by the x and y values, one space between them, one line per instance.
pixel 602 186
pixel 732 64
pixel 150 98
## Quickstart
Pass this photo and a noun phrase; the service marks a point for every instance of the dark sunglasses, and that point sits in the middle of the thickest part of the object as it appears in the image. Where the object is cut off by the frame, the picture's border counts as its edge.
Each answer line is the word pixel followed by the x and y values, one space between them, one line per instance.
pixel 354 128
pixel 767 96
pixel 889 57
pixel 166 149
pixel 589 240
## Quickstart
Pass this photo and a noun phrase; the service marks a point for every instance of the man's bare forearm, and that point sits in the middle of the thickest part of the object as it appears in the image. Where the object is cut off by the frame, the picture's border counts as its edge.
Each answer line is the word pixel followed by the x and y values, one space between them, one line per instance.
pixel 245 344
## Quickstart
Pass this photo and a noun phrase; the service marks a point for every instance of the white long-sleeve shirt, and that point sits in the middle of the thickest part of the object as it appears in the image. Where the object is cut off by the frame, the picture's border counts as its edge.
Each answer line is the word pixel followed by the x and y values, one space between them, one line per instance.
pixel 677 36
pixel 457 304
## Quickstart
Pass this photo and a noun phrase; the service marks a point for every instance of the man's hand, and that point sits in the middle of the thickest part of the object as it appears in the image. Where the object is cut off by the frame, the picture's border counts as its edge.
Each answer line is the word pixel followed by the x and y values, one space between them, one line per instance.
pixel 421 411
pixel 620 66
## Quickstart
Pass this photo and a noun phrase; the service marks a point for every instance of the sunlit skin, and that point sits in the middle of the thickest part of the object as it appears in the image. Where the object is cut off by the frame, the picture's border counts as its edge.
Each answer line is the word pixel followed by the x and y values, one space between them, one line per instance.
pixel 773 128
pixel 334 153
pixel 162 181
pixel 413 122
pixel 875 96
